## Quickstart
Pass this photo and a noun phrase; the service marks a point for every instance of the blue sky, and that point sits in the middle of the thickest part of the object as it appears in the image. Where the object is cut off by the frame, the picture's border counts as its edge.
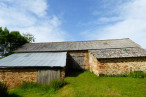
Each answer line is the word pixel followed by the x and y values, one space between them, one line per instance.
pixel 75 20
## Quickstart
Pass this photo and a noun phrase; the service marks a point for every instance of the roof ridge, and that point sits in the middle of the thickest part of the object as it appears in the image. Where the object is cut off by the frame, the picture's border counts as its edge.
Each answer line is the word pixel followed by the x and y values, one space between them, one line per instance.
pixel 78 45
pixel 80 41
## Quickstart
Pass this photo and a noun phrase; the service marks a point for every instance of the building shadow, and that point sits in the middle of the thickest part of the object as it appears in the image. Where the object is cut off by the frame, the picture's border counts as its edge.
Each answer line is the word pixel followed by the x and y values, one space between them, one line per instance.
pixel 73 68
pixel 74 73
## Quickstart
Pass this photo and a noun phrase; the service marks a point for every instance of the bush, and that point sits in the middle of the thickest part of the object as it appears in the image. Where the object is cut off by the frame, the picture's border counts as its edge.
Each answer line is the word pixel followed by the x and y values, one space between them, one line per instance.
pixel 3 90
pixel 137 74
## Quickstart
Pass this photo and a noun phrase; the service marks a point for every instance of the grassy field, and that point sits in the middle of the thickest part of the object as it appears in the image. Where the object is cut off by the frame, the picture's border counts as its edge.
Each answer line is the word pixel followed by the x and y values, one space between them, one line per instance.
pixel 86 84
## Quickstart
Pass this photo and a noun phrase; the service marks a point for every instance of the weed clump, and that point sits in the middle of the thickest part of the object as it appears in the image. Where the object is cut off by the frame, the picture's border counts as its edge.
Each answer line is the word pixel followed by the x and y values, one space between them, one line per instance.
pixel 29 85
pixel 134 74
pixel 137 74
pixel 3 90
pixel 57 84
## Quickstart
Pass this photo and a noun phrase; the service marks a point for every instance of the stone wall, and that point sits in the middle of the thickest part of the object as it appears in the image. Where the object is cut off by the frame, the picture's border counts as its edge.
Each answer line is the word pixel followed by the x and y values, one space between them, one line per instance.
pixel 112 66
pixel 121 65
pixel 13 77
pixel 62 73
pixel 94 64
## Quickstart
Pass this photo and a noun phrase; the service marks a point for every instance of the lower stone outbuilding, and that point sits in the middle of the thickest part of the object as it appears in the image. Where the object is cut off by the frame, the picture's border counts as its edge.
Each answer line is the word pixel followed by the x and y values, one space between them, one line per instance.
pixel 32 67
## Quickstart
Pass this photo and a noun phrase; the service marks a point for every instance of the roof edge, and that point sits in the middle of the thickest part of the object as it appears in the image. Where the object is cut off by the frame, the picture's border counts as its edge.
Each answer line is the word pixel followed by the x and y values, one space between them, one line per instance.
pixel 80 41
pixel 70 50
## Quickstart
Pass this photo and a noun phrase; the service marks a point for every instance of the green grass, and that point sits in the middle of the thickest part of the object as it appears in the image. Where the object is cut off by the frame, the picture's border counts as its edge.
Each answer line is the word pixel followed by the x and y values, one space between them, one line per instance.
pixel 135 74
pixel 86 84
pixel 30 89
pixel 2 57
pixel 4 91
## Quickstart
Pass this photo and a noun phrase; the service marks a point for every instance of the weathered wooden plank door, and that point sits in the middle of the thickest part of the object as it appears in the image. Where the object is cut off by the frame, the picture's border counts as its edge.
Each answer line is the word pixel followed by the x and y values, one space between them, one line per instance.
pixel 45 76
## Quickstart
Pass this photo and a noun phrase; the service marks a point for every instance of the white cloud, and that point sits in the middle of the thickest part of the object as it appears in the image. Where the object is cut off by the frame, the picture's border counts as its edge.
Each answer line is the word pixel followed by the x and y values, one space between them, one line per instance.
pixel 132 25
pixel 31 16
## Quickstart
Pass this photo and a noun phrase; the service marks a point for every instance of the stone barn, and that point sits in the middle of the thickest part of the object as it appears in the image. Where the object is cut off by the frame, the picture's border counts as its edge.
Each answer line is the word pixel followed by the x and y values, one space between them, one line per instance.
pixel 102 57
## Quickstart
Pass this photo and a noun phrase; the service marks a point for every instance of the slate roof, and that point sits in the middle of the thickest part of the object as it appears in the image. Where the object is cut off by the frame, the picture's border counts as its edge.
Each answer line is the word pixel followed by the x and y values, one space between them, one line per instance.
pixel 119 53
pixel 113 48
pixel 47 59
pixel 77 45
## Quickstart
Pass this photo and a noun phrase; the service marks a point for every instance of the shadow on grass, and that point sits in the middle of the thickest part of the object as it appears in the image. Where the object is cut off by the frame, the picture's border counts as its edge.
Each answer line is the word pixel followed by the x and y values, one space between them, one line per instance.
pixel 4 91
pixel 13 95
pixel 74 73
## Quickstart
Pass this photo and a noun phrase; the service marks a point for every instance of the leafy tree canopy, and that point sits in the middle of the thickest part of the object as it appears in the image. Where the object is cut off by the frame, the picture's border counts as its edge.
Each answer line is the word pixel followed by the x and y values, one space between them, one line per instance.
pixel 30 37
pixel 10 41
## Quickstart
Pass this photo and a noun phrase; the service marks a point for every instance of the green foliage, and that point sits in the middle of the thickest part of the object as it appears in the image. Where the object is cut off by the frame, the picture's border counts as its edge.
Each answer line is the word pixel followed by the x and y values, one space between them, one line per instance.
pixel 10 41
pixel 111 75
pixel 137 74
pixel 134 74
pixel 52 87
pixel 16 40
pixel 29 85
pixel 29 37
pixel 3 90
pixel 57 84
pixel 2 57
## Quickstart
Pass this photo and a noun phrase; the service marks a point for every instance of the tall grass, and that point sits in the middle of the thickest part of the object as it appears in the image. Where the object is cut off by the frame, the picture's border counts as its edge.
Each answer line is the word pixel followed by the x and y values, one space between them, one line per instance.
pixel 2 57
pixel 52 86
pixel 134 74
pixel 3 90
pixel 29 85
pixel 57 84
pixel 137 74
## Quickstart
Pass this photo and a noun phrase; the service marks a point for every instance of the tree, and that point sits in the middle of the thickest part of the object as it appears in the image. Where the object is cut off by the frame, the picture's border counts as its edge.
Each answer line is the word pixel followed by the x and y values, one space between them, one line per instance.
pixel 16 40
pixel 4 40
pixel 10 41
pixel 29 37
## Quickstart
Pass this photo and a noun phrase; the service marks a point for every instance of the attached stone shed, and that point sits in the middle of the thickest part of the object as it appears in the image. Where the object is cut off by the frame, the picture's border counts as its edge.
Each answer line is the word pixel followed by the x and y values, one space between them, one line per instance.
pixel 103 57
pixel 33 67
pixel 117 61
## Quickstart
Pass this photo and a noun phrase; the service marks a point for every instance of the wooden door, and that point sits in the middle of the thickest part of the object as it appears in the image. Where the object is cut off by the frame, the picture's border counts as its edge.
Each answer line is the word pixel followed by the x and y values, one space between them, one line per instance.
pixel 45 76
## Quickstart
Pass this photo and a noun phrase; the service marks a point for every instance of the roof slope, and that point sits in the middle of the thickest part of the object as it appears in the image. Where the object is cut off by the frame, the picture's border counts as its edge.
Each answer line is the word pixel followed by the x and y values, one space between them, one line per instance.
pixel 119 53
pixel 77 45
pixel 55 59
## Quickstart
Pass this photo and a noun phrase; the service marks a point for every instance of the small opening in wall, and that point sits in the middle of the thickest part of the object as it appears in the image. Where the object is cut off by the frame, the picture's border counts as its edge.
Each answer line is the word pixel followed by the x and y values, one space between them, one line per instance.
pixel 103 51
pixel 126 50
